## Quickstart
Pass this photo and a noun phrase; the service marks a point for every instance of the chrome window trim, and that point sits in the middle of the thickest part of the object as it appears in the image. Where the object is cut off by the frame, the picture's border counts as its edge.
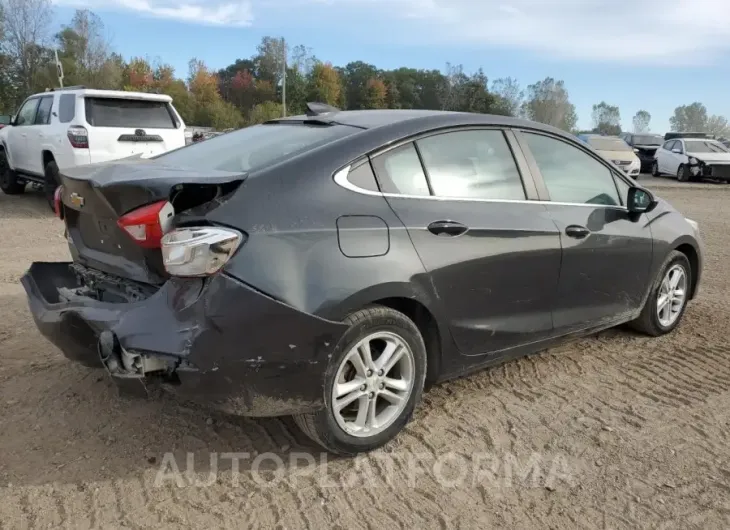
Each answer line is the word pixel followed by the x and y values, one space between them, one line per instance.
pixel 341 175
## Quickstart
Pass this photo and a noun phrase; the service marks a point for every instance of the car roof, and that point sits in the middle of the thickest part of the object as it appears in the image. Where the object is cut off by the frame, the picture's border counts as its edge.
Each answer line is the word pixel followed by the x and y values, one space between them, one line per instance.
pixel 117 94
pixel 611 137
pixel 427 119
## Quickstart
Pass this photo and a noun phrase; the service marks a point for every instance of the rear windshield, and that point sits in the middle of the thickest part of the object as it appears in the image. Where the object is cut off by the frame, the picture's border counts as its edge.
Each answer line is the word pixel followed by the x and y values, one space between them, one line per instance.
pixel 254 147
pixel 647 139
pixel 129 113
pixel 608 144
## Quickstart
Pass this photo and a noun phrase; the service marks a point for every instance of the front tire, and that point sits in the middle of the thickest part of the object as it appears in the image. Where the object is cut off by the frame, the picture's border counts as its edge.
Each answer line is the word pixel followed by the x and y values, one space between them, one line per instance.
pixel 9 181
pixel 654 169
pixel 667 301
pixel 683 173
pixel 51 182
pixel 373 383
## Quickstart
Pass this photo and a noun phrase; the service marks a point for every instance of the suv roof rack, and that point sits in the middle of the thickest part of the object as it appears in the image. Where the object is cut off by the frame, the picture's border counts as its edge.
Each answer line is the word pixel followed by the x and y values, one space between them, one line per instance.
pixel 75 87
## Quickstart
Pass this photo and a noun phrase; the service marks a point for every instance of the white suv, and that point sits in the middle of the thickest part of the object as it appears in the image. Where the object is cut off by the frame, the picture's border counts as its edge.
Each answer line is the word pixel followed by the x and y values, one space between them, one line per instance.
pixel 75 126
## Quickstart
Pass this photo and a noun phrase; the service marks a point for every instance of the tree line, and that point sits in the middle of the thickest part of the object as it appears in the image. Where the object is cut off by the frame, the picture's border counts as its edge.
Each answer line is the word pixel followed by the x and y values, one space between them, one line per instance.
pixel 249 91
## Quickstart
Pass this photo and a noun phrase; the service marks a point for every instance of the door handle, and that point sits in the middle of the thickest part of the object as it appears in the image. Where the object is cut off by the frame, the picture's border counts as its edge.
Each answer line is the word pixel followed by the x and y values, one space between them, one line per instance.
pixel 447 228
pixel 576 231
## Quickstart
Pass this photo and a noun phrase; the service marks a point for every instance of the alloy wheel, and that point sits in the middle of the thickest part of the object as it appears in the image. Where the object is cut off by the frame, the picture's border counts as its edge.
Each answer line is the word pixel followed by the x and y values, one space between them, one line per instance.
pixel 373 384
pixel 672 295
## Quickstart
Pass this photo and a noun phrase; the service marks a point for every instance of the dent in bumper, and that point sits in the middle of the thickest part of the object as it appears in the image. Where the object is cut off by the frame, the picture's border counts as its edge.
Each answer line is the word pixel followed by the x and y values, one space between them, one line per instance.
pixel 228 345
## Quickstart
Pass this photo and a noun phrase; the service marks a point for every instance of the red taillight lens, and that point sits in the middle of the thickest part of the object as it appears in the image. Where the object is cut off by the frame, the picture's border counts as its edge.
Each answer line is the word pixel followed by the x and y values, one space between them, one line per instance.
pixel 147 225
pixel 79 137
pixel 57 204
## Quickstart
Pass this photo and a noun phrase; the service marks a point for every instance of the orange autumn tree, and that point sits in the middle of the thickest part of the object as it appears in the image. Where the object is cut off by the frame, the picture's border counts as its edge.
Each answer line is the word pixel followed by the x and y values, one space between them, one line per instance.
pixel 138 75
pixel 376 94
pixel 211 110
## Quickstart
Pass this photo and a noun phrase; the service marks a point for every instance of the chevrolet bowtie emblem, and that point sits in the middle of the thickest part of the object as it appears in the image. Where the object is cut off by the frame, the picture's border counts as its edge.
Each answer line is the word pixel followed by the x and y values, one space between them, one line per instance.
pixel 76 199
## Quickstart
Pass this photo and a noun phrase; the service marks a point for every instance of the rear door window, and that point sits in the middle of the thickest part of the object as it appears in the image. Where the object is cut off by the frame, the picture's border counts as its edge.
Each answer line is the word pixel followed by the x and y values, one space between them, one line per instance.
pixel 363 177
pixel 471 164
pixel 43 117
pixel 128 113
pixel 400 171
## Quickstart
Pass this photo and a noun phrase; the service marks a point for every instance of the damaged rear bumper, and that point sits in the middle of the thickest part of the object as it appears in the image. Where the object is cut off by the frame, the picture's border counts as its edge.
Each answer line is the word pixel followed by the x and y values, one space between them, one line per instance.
pixel 215 341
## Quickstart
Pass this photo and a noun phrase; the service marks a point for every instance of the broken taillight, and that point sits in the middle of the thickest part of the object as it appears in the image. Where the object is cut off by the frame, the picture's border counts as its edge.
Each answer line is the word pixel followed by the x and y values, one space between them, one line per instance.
pixel 147 225
pixel 199 250
pixel 57 204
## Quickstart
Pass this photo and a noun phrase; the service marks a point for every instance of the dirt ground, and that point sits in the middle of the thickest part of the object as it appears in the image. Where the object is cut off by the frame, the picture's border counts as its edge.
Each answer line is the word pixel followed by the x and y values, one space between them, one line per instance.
pixel 618 430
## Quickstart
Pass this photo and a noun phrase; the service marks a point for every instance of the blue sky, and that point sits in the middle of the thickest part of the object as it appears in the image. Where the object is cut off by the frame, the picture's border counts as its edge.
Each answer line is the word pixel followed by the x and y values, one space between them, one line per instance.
pixel 637 54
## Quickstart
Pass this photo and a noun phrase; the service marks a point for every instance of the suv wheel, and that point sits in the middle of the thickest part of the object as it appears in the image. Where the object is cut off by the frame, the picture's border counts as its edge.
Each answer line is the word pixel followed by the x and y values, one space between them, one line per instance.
pixel 9 181
pixel 51 182
pixel 373 384
pixel 654 169
pixel 668 298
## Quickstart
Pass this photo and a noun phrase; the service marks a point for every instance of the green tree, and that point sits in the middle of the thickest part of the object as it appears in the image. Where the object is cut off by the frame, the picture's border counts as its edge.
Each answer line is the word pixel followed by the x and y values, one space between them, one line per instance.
pixel 689 118
pixel 324 84
pixel 26 34
pixel 548 102
pixel 269 110
pixel 509 96
pixel 355 77
pixel 606 119
pixel 641 121
pixel 376 94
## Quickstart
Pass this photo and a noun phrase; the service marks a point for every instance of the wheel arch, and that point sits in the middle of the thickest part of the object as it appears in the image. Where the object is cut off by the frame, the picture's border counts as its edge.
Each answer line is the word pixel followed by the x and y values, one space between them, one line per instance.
pixel 417 305
pixel 47 157
pixel 694 262
pixel 427 324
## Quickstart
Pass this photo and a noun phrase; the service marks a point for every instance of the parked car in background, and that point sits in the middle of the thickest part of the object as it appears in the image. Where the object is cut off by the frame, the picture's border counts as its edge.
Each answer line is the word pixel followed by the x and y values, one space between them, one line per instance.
pixel 74 126
pixel 675 135
pixel 5 120
pixel 329 265
pixel 645 146
pixel 616 150
pixel 692 159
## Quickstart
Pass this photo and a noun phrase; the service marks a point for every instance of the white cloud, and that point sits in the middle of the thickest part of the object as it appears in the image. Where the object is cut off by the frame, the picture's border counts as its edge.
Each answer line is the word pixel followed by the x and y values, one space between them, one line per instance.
pixel 642 31
pixel 233 13
pixel 623 31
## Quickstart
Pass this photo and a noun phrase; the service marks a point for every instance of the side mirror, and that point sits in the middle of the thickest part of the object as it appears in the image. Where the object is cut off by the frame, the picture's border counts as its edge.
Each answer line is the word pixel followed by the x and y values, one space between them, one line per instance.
pixel 640 200
pixel 677 151
pixel 13 120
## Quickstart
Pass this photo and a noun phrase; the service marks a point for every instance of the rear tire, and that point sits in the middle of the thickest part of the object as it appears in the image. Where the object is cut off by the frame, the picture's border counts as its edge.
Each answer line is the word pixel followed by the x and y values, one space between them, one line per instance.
pixel 9 181
pixel 51 182
pixel 649 320
pixel 341 431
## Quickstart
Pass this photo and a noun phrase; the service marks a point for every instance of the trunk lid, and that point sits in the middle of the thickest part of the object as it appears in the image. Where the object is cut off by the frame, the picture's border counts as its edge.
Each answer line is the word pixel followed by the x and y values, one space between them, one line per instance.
pixel 121 127
pixel 95 196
